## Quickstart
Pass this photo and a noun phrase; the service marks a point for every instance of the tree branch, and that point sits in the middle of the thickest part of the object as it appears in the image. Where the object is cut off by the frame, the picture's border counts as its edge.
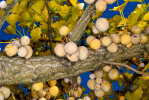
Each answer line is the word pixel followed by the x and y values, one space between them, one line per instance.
pixel 49 26
pixel 81 25
pixel 7 12
pixel 124 65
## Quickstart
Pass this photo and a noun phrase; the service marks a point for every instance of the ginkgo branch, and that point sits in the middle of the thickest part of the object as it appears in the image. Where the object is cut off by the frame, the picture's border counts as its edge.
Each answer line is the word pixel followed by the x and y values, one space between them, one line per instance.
pixel 124 65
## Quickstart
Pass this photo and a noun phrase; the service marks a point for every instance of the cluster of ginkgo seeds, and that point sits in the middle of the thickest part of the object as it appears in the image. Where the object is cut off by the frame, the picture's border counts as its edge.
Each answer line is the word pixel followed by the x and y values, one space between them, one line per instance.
pixel 20 47
pixel 43 91
pixel 101 5
pixel 111 41
pixel 4 92
pixel 70 49
pixel 98 83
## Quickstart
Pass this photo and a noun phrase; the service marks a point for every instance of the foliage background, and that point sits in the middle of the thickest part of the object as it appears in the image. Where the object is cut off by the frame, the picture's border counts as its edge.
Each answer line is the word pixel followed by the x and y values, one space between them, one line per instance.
pixel 107 14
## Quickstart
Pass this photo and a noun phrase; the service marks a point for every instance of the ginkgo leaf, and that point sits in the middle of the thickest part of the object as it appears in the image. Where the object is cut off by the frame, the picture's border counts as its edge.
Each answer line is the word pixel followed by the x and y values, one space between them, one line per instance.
pixel 123 22
pixel 1 12
pixel 9 1
pixel 15 9
pixel 38 18
pixel 133 0
pixel 36 34
pixel 54 6
pixel 142 24
pixel 65 11
pixel 146 16
pixel 119 8
pixel 58 24
pixel 73 2
pixel 38 6
pixel 59 1
pixel 26 18
pixel 22 6
pixel 12 19
pixel 45 13
pixel 44 26
pixel 10 30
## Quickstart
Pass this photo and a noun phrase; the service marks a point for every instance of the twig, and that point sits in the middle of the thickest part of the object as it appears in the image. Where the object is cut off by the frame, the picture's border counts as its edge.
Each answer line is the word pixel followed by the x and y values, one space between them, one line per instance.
pixel 49 25
pixel 124 65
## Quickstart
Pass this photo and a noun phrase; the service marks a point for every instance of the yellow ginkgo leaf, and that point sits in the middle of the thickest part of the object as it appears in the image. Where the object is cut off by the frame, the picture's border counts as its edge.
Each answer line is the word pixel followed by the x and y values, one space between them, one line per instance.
pixel 36 34
pixel 64 12
pixel 133 0
pixel 9 1
pixel 22 6
pixel 45 13
pixel 44 26
pixel 54 6
pixel 73 2
pixel 12 19
pixel 1 13
pixel 15 9
pixel 119 8
pixel 146 16
pixel 142 24
pixel 38 6
pixel 10 30
pixel 26 18
pixel 38 18
pixel 123 22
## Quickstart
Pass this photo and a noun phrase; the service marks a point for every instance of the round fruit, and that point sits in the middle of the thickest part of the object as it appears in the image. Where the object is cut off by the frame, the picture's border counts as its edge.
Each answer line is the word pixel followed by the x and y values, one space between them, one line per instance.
pixel 22 52
pixel 99 93
pixel 41 93
pixel 135 38
pixel 146 30
pixel 141 65
pixel 144 38
pixel 106 41
pixel 115 38
pixel 92 76
pixel 11 50
pixel 74 57
pixel 91 84
pixel 38 86
pixel 114 74
pixel 86 98
pixel 71 98
pixel 79 80
pixel 102 24
pixel 97 86
pixel 95 30
pixel 107 68
pixel 25 40
pixel 101 5
pixel 89 39
pixel 54 91
pixel 98 73
pixel 5 91
pixel 125 39
pixel 29 52
pixel 98 80
pixel 77 93
pixel 129 45
pixel 3 4
pixel 136 29
pixel 64 30
pixel 83 51
pixel 95 44
pixel 112 48
pixel 121 98
pixel 89 1
pixel 59 50
pixel 34 94
pixel 42 99
pixel 17 43
pixel 106 86
pixel 110 1
pixel 52 83
pixel 1 96
pixel 70 48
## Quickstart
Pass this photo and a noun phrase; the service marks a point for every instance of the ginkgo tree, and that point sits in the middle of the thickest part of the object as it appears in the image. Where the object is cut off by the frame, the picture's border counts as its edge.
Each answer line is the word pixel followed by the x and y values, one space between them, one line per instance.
pixel 47 56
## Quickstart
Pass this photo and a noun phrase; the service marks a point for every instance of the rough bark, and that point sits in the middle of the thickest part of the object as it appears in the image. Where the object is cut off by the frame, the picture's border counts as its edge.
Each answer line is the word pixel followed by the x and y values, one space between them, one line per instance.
pixel 17 70
pixel 7 12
